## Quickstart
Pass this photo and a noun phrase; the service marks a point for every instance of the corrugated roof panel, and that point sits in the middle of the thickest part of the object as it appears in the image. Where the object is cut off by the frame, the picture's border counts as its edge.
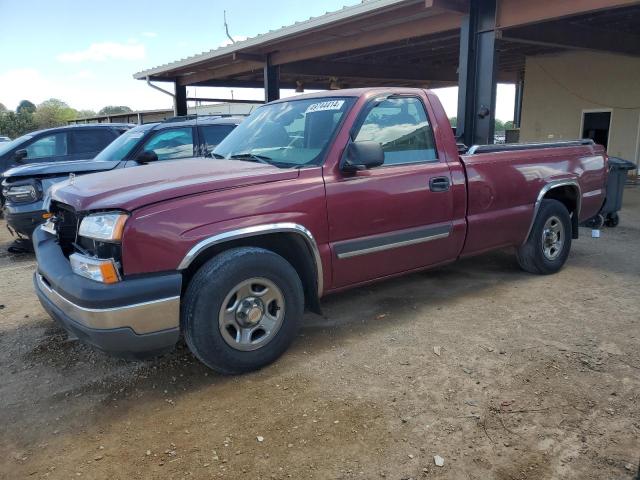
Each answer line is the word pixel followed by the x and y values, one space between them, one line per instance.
pixel 367 6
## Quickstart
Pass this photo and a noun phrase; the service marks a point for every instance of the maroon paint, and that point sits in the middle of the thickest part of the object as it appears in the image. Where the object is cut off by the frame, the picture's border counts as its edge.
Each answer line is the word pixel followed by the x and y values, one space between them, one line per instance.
pixel 490 203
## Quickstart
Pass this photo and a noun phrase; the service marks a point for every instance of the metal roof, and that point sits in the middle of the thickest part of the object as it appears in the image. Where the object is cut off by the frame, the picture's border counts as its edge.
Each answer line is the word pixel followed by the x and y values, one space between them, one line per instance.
pixel 367 6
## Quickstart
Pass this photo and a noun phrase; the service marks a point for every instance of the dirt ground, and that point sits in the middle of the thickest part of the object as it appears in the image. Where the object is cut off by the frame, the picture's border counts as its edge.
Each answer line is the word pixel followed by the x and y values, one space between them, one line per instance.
pixel 536 378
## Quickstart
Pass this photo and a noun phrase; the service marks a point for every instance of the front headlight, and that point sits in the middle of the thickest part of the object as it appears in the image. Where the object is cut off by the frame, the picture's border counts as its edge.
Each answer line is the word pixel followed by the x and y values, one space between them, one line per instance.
pixel 21 193
pixel 100 270
pixel 106 227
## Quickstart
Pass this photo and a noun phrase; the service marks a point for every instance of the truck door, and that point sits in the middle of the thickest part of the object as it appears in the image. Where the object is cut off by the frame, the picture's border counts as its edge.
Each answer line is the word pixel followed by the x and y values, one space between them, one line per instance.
pixel 396 217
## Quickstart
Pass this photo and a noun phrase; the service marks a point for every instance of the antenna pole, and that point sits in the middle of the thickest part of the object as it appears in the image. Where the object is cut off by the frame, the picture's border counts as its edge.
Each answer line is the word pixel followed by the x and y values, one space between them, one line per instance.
pixel 226 27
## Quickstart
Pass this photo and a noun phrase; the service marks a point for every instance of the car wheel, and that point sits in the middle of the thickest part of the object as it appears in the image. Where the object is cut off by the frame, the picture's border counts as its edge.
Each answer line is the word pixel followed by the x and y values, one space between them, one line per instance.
pixel 549 242
pixel 242 310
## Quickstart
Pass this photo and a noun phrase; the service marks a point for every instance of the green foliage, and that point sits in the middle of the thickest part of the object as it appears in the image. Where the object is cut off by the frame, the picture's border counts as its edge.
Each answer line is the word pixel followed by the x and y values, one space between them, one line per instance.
pixel 53 113
pixel 508 125
pixel 113 110
pixel 499 125
pixel 86 113
pixel 16 124
pixel 2 108
pixel 25 106
pixel 453 121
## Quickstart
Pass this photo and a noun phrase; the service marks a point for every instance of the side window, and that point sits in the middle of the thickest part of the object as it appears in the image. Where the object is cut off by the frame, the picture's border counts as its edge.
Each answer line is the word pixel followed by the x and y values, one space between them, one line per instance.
pixel 212 135
pixel 402 128
pixel 90 140
pixel 170 144
pixel 54 145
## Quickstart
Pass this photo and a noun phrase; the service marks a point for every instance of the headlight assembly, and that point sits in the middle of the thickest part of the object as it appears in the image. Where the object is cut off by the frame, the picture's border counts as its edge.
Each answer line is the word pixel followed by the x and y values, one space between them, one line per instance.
pixel 21 193
pixel 105 227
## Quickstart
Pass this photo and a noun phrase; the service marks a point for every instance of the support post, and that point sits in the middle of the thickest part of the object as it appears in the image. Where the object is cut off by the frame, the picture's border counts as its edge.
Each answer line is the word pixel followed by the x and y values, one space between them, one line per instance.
pixel 517 109
pixel 477 74
pixel 180 100
pixel 271 80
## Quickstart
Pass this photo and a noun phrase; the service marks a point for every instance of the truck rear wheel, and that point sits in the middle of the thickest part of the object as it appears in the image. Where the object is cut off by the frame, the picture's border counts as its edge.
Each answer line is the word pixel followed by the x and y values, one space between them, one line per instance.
pixel 242 310
pixel 547 248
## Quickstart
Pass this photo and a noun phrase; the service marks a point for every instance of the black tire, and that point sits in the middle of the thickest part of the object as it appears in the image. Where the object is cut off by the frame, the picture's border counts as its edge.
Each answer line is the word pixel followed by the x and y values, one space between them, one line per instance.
pixel 531 256
pixel 208 290
pixel 612 220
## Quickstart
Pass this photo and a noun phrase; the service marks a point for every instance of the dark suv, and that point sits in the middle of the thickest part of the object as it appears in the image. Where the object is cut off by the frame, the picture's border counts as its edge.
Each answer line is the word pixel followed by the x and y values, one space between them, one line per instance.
pixel 24 187
pixel 73 142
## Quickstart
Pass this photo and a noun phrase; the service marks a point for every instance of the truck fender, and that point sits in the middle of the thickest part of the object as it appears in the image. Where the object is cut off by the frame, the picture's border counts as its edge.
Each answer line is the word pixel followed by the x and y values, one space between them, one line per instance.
pixel 572 204
pixel 266 230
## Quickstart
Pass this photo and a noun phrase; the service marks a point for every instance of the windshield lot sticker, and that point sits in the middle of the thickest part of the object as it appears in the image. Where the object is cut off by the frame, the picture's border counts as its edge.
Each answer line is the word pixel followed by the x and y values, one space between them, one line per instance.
pixel 323 106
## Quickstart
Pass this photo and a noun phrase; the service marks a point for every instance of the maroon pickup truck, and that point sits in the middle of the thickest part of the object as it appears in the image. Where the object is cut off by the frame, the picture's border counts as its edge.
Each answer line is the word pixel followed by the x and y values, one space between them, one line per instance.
pixel 308 196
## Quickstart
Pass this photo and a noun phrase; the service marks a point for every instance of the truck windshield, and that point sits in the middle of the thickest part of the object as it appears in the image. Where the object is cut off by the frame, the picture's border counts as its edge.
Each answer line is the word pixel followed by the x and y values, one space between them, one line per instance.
pixel 121 146
pixel 287 134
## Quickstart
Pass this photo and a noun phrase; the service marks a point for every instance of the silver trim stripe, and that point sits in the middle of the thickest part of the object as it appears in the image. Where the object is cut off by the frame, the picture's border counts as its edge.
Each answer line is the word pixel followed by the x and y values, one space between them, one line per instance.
pixel 145 317
pixel 259 230
pixel 592 193
pixel 390 240
pixel 389 246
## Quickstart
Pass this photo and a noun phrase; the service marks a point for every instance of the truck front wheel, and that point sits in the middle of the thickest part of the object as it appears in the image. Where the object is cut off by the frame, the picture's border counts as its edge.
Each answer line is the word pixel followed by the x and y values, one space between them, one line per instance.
pixel 242 310
pixel 549 242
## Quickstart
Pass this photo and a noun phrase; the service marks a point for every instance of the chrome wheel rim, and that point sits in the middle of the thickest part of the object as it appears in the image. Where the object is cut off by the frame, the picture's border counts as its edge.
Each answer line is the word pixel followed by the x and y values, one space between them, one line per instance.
pixel 552 238
pixel 251 314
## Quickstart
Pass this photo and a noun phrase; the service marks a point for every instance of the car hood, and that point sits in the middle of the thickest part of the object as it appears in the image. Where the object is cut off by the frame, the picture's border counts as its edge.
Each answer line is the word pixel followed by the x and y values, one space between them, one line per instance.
pixel 131 188
pixel 59 168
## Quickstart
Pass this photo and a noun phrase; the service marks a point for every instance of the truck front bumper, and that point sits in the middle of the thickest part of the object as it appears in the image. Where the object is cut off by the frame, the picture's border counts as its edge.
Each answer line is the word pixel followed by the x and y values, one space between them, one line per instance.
pixel 132 318
pixel 24 223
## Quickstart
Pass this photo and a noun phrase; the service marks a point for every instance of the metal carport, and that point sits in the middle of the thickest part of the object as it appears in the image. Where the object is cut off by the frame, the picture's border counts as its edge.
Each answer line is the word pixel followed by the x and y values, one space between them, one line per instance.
pixel 428 43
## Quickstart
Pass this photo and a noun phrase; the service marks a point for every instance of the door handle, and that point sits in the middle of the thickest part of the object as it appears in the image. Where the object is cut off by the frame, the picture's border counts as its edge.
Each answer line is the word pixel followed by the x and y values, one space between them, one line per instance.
pixel 439 184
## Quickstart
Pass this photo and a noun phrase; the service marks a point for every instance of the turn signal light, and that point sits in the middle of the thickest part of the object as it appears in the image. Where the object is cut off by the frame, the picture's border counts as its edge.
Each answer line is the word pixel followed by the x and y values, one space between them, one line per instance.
pixel 100 270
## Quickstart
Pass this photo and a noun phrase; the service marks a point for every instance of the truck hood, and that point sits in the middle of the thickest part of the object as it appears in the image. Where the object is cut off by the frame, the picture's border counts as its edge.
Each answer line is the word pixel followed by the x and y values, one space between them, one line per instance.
pixel 59 168
pixel 131 188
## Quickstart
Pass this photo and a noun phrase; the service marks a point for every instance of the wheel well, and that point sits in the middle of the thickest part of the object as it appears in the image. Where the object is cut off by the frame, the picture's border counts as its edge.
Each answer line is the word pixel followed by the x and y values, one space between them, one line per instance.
pixel 291 246
pixel 568 195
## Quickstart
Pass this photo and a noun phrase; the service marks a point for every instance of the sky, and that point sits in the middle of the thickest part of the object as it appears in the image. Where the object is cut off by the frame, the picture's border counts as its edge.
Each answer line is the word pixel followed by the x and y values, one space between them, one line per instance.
pixel 86 52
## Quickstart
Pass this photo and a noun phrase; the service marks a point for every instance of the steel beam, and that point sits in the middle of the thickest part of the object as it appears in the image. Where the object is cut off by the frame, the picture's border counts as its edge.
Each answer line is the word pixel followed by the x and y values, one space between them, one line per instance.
pixel 419 72
pixel 517 108
pixel 180 100
pixel 222 100
pixel 577 37
pixel 271 80
pixel 366 39
pixel 521 12
pixel 477 75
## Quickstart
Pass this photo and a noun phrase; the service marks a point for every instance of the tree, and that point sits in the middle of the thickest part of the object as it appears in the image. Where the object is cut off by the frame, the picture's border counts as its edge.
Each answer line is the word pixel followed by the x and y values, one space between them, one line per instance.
pixel 453 121
pixel 508 125
pixel 53 113
pixel 113 110
pixel 15 124
pixel 26 106
pixel 86 113
pixel 499 125
pixel 2 108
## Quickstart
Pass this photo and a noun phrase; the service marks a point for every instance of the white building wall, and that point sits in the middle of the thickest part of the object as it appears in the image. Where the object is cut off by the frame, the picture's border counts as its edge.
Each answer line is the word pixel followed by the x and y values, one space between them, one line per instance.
pixel 558 88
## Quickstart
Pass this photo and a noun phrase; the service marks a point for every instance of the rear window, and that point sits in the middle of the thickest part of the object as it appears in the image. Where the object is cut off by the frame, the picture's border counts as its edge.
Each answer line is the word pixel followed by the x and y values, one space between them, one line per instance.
pixel 212 135
pixel 90 140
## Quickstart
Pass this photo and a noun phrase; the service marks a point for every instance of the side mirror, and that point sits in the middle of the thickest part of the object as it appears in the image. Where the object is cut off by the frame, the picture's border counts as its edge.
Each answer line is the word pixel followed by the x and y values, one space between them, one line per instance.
pixel 362 155
pixel 147 156
pixel 20 155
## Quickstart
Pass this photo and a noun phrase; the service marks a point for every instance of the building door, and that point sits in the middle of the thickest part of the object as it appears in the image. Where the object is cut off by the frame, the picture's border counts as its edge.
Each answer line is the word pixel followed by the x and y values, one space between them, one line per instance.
pixel 596 125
